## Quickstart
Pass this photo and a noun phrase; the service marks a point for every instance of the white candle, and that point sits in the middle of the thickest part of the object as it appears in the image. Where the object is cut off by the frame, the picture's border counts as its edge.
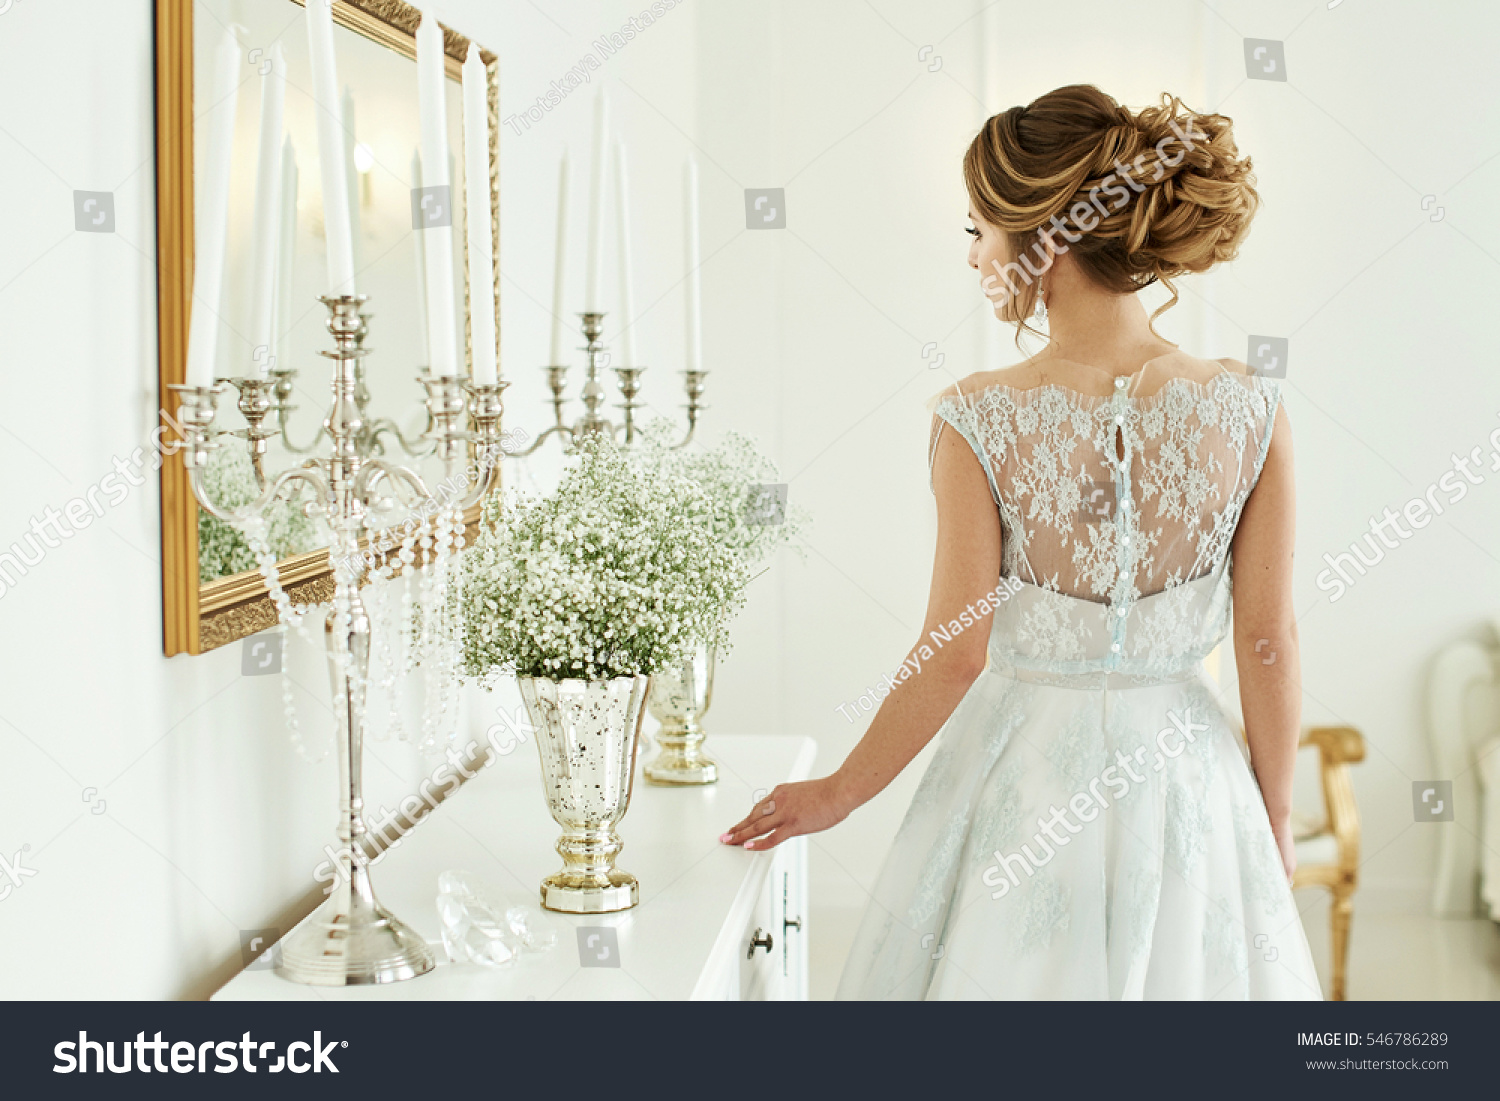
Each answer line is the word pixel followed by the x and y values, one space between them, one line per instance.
pixel 595 255
pixel 437 241
pixel 267 215
pixel 559 267
pixel 416 183
pixel 627 296
pixel 330 149
pixel 286 248
pixel 351 174
pixel 211 214
pixel 693 257
pixel 482 327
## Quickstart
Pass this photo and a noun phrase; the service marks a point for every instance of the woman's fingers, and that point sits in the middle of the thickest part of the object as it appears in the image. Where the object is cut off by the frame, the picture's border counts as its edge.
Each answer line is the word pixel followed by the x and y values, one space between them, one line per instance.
pixel 762 810
pixel 784 831
pixel 755 826
pixel 743 824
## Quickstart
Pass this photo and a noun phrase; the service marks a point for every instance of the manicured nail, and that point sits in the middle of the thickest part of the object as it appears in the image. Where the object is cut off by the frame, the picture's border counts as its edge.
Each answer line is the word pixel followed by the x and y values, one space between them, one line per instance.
pixel 724 837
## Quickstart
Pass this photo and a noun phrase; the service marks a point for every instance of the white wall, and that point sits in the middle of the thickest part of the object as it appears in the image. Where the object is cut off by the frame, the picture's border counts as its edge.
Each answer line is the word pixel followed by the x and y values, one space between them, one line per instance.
pixel 814 336
pixel 1391 369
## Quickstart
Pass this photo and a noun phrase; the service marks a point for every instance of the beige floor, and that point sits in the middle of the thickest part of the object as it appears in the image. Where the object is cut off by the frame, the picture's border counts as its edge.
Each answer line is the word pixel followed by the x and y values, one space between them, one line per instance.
pixel 1397 956
pixel 1409 956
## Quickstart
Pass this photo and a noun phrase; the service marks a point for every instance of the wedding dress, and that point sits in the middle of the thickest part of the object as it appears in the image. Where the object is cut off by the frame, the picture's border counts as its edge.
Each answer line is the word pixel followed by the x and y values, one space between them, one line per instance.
pixel 1089 826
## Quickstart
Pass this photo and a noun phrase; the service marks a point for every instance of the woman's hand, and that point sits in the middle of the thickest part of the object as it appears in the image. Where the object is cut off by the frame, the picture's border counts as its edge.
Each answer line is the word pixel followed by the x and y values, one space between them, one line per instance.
pixel 1282 831
pixel 789 810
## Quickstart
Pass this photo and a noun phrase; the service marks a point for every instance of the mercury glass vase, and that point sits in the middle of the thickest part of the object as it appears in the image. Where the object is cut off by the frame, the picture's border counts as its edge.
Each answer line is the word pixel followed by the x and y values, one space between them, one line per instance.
pixel 587 733
pixel 680 697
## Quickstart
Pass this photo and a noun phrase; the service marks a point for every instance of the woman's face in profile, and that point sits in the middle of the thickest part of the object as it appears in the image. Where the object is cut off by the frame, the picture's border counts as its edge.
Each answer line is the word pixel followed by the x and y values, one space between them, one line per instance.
pixel 989 252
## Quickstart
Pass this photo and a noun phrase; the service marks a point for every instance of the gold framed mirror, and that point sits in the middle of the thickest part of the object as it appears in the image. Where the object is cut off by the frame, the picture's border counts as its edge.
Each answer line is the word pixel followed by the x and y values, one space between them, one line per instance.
pixel 212 594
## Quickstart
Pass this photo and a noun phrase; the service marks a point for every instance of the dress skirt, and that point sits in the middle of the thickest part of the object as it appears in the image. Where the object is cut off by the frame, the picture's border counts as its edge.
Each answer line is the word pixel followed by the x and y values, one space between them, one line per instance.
pixel 1084 836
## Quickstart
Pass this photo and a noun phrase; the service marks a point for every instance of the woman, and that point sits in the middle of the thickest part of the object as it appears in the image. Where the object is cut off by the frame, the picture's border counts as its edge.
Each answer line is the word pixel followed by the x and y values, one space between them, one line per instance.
pixel 1089 827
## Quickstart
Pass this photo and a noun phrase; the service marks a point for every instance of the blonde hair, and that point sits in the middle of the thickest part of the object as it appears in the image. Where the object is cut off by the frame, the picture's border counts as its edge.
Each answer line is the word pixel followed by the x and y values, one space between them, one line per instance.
pixel 1166 190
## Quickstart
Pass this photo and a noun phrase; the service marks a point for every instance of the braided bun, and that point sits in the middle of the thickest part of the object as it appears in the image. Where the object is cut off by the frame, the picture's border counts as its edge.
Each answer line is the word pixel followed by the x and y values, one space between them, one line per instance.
pixel 1137 197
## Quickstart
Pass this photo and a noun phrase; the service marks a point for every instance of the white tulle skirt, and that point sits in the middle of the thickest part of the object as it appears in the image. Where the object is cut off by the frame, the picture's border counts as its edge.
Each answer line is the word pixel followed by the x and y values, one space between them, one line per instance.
pixel 1077 837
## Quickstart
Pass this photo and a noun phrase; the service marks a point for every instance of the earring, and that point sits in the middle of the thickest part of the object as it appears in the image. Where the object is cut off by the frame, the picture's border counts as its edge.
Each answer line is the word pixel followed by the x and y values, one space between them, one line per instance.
pixel 1040 313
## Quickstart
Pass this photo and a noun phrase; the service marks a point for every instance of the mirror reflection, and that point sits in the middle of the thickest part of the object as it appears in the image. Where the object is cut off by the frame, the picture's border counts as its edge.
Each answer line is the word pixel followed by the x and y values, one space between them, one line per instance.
pixel 379 120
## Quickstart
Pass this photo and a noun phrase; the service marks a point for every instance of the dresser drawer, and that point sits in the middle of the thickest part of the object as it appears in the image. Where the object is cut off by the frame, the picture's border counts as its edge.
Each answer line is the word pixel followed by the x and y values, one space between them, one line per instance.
pixel 772 943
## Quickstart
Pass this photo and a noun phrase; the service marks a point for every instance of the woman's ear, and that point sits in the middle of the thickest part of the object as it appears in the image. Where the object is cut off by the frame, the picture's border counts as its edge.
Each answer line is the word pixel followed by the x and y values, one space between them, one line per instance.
pixel 1049 250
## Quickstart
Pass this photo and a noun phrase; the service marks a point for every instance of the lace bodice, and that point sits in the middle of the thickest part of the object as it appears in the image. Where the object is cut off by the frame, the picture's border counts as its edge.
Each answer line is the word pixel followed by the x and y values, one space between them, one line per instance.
pixel 1117 513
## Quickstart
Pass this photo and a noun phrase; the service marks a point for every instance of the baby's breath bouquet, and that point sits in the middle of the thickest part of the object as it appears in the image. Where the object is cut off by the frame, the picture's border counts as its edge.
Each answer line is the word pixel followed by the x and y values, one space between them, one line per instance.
pixel 743 512
pixel 749 514
pixel 610 575
pixel 222 548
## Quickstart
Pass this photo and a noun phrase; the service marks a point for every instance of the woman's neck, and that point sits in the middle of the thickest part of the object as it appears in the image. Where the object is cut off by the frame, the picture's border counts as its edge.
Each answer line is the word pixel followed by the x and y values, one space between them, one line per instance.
pixel 1091 326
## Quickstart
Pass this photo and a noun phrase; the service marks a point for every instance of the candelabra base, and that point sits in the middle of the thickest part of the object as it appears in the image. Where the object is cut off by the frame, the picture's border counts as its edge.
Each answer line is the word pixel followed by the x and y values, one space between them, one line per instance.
pixel 590 894
pixel 358 945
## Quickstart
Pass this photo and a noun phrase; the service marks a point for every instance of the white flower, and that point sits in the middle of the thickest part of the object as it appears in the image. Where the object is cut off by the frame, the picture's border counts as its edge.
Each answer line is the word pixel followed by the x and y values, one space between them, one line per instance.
pixel 612 574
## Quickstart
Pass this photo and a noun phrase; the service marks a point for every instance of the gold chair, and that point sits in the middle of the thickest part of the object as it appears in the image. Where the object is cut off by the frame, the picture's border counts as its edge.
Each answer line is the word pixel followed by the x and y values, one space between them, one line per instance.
pixel 1328 849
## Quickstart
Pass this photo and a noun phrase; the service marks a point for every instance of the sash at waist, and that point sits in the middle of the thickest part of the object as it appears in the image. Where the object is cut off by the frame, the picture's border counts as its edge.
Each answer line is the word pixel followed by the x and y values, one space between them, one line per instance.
pixel 1093 680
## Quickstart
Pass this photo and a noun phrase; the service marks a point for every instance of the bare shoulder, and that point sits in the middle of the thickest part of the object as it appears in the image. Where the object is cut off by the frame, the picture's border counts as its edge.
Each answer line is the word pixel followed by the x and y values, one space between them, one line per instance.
pixel 1018 376
pixel 1234 366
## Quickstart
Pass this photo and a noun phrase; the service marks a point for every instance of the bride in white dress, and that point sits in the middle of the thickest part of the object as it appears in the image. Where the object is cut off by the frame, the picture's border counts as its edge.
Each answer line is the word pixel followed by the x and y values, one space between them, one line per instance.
pixel 1090 825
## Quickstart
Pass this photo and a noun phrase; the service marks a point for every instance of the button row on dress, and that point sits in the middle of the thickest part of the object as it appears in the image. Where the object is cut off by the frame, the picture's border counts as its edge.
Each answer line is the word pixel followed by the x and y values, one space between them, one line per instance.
pixel 1122 512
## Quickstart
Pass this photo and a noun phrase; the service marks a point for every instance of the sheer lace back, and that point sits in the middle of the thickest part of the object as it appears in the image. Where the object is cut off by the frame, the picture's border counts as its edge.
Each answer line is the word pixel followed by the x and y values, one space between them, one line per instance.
pixel 1110 503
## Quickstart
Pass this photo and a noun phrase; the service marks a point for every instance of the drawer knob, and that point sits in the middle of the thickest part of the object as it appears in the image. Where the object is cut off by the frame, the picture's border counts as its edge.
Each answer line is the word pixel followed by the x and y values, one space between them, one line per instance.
pixel 791 923
pixel 762 939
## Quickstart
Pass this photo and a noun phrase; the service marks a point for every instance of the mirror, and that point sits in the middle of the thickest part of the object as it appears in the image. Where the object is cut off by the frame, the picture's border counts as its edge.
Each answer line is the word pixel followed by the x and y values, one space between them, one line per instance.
pixel 212 592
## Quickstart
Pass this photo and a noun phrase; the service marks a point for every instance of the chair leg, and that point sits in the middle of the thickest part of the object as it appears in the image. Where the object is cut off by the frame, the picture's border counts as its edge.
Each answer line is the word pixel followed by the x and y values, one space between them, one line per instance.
pixel 1343 917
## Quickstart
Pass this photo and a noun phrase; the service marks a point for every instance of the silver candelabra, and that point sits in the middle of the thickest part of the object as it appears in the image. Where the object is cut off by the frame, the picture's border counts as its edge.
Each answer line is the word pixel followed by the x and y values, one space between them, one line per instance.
pixel 350 939
pixel 593 422
pixel 283 383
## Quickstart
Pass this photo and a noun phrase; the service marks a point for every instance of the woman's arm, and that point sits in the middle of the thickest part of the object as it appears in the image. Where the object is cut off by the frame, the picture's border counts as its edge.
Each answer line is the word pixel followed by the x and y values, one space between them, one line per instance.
pixel 1265 633
pixel 966 567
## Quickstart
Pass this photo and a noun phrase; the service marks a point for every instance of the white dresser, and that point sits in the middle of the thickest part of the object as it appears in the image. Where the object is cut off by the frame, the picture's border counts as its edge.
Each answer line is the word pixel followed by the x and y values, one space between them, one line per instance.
pixel 713 922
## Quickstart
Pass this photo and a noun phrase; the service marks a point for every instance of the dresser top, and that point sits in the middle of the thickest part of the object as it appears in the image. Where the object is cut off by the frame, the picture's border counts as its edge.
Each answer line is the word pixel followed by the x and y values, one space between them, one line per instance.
pixel 693 889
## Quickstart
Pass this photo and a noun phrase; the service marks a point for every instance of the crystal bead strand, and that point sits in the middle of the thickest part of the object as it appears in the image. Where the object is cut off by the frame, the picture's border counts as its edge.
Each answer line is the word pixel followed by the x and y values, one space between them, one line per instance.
pixel 347 569
pixel 287 616
pixel 401 651
pixel 422 642
pixel 382 650
pixel 438 656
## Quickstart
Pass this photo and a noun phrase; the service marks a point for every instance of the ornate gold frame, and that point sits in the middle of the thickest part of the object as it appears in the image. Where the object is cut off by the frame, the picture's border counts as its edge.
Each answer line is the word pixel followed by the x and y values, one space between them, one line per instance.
pixel 197 618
